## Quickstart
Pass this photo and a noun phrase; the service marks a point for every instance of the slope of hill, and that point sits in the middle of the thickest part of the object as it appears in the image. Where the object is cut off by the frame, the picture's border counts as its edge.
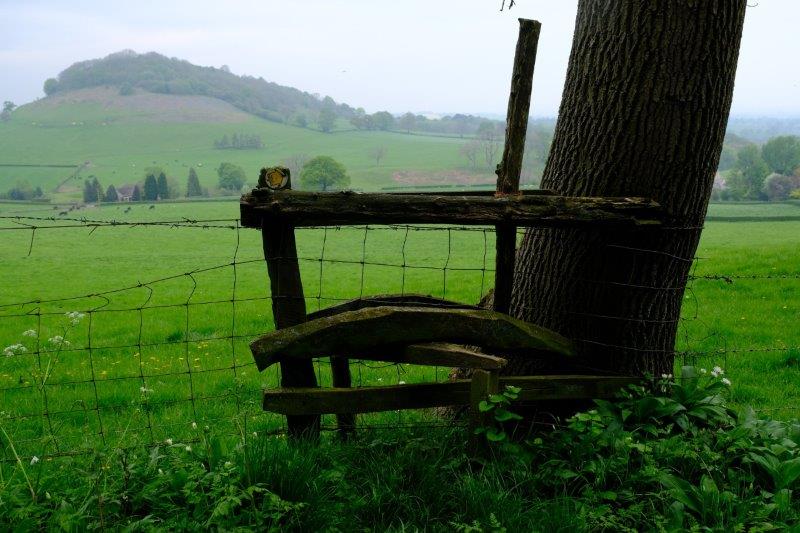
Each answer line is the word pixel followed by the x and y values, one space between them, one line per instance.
pixel 115 138
pixel 156 73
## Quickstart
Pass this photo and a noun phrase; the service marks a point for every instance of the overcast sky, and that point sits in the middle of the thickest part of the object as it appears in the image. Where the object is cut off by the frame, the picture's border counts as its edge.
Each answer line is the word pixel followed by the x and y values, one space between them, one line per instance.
pixel 398 55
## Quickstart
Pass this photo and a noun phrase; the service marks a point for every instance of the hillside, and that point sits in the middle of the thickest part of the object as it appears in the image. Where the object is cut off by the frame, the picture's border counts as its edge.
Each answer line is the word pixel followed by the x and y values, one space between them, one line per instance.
pixel 159 74
pixel 117 137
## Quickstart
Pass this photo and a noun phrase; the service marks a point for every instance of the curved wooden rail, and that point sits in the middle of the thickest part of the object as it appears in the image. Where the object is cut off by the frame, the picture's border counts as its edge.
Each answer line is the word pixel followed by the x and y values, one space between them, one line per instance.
pixel 364 330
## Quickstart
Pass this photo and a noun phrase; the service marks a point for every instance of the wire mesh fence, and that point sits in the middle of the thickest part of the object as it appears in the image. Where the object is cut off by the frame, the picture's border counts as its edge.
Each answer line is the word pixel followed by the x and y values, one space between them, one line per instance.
pixel 125 333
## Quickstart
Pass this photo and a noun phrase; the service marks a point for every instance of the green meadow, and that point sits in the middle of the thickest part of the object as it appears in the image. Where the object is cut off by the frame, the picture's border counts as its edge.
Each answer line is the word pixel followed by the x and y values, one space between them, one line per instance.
pixel 169 312
pixel 120 138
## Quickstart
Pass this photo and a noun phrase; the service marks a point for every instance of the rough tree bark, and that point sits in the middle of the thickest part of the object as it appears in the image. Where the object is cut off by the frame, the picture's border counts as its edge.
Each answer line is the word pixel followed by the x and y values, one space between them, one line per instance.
pixel 643 113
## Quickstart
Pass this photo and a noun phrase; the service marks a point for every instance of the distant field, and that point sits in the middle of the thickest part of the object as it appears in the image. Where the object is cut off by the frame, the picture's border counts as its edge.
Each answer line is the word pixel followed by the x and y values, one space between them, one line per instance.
pixel 121 136
pixel 146 378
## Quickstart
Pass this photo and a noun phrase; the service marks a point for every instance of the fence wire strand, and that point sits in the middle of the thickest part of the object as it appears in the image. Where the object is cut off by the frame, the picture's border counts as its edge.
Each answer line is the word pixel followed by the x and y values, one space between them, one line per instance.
pixel 205 391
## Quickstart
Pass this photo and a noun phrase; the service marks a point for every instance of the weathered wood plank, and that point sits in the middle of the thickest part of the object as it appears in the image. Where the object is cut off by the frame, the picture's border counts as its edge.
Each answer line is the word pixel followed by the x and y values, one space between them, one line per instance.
pixel 340 373
pixel 294 401
pixel 365 399
pixel 288 309
pixel 433 354
pixel 483 384
pixel 397 300
pixel 364 329
pixel 303 208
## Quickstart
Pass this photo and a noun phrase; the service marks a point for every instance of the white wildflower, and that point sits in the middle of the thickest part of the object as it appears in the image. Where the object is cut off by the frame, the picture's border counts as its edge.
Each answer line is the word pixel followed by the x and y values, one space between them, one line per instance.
pixel 188 448
pixel 34 460
pixel 666 376
pixel 401 382
pixel 717 371
pixel 29 333
pixel 14 349
pixel 168 442
pixel 144 390
pixel 255 434
pixel 194 425
pixel 726 381
pixel 74 317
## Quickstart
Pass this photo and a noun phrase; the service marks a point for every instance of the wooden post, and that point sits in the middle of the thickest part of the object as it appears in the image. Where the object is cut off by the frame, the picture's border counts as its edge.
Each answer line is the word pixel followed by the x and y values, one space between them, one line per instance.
pixel 340 371
pixel 288 299
pixel 482 385
pixel 508 171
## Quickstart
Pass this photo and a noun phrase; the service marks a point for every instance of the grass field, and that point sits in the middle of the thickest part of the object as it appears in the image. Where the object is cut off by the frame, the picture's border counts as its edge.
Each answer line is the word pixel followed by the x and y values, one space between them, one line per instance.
pixel 133 375
pixel 121 139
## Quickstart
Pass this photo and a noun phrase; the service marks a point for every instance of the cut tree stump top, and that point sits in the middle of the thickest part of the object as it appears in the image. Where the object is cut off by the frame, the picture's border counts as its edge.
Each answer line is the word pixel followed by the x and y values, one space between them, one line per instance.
pixel 364 330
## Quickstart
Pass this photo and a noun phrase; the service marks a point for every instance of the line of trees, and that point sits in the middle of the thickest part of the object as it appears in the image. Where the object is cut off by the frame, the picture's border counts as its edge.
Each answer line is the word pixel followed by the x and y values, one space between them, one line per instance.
pixel 23 191
pixel 239 141
pixel 770 172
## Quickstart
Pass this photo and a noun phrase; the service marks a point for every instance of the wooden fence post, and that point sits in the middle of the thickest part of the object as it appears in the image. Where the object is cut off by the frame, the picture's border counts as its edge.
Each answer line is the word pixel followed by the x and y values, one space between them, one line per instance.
pixel 288 299
pixel 508 172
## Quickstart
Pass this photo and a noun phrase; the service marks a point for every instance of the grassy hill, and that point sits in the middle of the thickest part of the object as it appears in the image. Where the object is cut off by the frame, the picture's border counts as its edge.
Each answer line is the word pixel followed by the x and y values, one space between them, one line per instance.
pixel 119 136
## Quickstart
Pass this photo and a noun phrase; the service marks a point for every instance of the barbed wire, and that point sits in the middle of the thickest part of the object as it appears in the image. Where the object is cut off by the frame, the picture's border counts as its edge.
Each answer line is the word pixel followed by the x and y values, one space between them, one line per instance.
pixel 53 414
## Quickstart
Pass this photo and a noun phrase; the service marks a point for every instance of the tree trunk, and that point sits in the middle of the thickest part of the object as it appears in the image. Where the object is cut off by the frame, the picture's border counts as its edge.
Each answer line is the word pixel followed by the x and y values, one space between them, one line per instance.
pixel 643 113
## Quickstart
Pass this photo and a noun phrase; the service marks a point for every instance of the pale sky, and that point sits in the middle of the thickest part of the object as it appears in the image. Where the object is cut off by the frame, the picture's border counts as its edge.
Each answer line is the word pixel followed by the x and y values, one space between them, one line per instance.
pixel 397 55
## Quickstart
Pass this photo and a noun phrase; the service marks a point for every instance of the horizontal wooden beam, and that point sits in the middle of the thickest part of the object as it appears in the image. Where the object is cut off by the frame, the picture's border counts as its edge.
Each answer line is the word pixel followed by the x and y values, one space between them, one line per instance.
pixel 396 300
pixel 316 401
pixel 363 330
pixel 302 208
pixel 434 354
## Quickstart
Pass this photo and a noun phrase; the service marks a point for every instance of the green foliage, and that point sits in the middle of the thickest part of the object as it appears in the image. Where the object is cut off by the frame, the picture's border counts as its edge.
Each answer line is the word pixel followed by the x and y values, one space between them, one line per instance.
pixel 193 187
pixel 50 86
pixel 126 89
pixel 782 154
pixel 150 192
pixel 777 187
pixel 159 74
pixel 747 178
pixel 231 177
pixel 111 194
pixel 23 191
pixel 326 120
pixel 136 195
pixel 322 173
pixel 8 108
pixel 92 190
pixel 163 186
pixel 664 457
pixel 383 120
pixel 239 141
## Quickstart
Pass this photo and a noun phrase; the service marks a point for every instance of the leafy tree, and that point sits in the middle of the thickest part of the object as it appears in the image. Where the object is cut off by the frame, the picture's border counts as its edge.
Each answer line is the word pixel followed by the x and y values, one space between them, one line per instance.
pixel 126 89
pixel 748 174
pixel 92 191
pixel 326 120
pixel 383 120
pixel 8 107
pixel 150 188
pixel 50 86
pixel 111 194
pixel 778 187
pixel 231 177
pixel 136 194
pixel 726 159
pixel 193 184
pixel 163 186
pixel 300 120
pixel 323 173
pixel 407 122
pixel 782 154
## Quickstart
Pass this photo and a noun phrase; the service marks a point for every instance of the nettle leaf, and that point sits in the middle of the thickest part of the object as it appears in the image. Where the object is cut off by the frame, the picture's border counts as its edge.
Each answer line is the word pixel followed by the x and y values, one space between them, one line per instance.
pixel 485 406
pixel 497 398
pixel 495 435
pixel 503 415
